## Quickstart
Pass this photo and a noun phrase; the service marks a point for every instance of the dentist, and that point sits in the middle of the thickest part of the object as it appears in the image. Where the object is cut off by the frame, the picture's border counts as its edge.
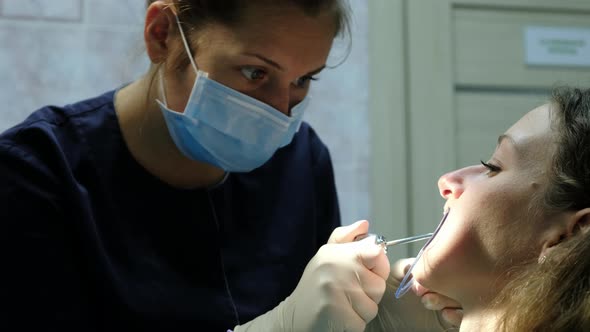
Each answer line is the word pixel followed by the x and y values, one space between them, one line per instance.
pixel 194 197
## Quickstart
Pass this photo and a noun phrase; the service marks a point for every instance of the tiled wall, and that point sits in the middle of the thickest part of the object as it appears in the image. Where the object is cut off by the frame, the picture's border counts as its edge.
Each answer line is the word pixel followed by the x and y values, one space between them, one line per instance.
pixel 61 51
pixel 339 112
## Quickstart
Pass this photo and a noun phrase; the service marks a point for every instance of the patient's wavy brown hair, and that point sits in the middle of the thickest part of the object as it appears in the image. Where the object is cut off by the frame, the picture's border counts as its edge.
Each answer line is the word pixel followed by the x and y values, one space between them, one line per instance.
pixel 555 295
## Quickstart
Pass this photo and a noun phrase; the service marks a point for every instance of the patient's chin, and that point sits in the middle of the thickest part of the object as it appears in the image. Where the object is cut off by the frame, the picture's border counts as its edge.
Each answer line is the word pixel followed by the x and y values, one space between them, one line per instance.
pixel 434 277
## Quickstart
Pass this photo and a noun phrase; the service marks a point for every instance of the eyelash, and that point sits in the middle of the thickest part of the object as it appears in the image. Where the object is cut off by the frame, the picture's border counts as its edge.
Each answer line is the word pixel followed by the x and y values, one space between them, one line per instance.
pixel 297 83
pixel 491 167
pixel 306 79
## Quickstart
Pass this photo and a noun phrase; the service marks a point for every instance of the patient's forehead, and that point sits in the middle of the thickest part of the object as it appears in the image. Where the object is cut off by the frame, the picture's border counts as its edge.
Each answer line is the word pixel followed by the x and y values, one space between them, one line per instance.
pixel 533 135
pixel 535 123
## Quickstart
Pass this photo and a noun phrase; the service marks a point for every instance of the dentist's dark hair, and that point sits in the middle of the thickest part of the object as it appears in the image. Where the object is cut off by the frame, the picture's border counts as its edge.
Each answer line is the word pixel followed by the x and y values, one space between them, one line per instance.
pixel 198 13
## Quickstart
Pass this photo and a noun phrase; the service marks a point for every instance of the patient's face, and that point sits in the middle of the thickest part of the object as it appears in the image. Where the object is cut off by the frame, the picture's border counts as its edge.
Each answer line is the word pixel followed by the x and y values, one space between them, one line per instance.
pixel 491 224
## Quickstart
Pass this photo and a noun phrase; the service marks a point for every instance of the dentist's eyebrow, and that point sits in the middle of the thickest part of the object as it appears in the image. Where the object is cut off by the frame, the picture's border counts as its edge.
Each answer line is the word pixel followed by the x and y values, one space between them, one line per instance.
pixel 277 66
pixel 317 71
pixel 265 59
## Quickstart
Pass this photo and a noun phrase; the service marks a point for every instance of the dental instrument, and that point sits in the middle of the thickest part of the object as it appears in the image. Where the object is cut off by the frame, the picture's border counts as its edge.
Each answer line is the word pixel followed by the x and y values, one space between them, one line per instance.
pixel 408 280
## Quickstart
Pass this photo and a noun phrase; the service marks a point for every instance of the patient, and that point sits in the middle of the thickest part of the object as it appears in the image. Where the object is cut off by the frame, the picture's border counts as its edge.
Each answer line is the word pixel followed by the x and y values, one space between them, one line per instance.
pixel 514 250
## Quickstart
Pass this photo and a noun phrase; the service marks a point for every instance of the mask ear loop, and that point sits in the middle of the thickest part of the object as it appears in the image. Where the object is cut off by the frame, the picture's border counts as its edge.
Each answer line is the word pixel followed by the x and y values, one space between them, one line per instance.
pixel 162 89
pixel 190 56
pixel 188 50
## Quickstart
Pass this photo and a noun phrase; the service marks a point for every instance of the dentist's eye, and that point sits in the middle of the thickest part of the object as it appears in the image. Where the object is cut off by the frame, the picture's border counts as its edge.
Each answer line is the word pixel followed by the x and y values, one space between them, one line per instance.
pixel 253 74
pixel 302 81
pixel 491 167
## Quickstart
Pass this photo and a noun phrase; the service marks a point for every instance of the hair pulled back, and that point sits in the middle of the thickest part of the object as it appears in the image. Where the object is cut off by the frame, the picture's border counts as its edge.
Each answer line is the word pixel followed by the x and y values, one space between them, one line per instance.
pixel 197 13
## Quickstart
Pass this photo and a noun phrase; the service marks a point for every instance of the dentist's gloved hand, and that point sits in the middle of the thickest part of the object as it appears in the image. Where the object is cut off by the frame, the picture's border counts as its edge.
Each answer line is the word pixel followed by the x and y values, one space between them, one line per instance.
pixel 339 291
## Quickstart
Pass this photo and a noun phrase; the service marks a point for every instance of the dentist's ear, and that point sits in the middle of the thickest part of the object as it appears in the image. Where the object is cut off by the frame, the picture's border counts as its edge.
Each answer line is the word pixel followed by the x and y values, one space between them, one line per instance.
pixel 159 23
pixel 573 224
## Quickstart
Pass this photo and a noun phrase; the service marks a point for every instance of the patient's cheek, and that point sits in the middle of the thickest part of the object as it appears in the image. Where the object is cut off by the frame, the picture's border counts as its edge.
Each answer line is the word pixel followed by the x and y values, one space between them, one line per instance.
pixel 444 259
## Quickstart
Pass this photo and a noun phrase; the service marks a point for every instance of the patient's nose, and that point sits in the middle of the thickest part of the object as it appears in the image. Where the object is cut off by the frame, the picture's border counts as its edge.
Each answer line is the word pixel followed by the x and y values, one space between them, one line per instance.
pixel 451 185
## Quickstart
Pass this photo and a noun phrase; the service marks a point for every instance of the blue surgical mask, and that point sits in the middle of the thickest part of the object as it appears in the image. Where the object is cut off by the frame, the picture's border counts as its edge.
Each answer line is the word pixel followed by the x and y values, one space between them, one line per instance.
pixel 226 128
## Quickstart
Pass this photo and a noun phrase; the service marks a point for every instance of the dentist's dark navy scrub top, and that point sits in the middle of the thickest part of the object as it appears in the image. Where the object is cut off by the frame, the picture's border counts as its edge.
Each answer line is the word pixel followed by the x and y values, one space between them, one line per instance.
pixel 93 242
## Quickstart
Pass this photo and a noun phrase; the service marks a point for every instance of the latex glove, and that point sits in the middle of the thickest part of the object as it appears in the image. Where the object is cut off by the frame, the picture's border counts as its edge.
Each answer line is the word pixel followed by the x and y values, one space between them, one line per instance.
pixel 345 234
pixel 339 291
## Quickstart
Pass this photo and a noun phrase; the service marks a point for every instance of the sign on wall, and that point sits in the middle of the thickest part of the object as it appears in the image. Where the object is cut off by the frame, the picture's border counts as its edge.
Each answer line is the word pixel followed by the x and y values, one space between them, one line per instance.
pixel 551 46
